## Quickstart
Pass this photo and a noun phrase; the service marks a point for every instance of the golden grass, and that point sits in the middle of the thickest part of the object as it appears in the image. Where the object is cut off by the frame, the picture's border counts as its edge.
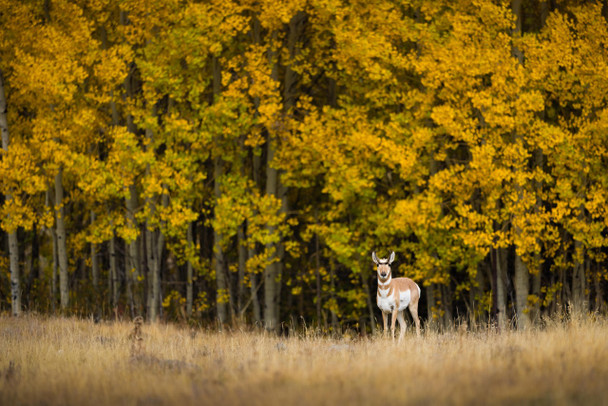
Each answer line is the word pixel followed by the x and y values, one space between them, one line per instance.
pixel 76 362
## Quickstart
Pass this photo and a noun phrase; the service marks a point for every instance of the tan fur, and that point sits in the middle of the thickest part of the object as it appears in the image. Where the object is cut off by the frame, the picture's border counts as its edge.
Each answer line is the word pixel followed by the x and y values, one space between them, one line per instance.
pixel 396 286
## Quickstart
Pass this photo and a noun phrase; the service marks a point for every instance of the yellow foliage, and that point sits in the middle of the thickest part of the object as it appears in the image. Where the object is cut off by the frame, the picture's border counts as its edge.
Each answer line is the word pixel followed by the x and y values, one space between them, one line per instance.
pixel 431 137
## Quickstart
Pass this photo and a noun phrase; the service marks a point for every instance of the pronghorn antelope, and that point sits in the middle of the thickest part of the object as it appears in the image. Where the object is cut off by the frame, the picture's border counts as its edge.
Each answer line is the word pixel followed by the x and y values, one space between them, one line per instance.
pixel 396 295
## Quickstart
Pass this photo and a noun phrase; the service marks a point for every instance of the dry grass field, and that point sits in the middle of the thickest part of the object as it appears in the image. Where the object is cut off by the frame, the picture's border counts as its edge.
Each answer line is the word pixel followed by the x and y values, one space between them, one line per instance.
pixel 77 362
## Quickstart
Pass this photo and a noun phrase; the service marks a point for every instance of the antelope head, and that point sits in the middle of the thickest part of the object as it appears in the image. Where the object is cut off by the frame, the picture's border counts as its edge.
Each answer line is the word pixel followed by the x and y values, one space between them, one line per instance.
pixel 384 265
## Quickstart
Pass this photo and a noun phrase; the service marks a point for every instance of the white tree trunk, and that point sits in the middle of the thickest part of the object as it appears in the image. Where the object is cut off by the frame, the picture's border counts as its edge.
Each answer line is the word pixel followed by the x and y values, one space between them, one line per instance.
pixel 522 290
pixel 577 301
pixel 521 278
pixel 62 254
pixel 133 261
pixel 13 248
pixel 155 242
pixel 189 275
pixel 257 311
pixel 501 288
pixel 114 280
pixel 95 271
pixel 153 275
pixel 13 244
pixel 242 259
pixel 223 292
pixel 271 274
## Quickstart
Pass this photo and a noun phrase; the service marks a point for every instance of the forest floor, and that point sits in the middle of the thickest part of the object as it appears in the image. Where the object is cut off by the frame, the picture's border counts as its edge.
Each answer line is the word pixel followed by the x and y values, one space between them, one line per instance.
pixel 66 361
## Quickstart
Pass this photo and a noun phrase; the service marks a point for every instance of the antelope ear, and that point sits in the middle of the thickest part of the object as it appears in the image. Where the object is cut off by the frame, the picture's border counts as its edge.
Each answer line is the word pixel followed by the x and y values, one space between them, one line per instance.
pixel 392 258
pixel 374 258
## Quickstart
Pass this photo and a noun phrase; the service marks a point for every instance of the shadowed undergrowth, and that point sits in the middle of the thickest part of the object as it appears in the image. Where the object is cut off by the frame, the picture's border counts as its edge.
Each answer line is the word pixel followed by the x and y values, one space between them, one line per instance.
pixel 75 362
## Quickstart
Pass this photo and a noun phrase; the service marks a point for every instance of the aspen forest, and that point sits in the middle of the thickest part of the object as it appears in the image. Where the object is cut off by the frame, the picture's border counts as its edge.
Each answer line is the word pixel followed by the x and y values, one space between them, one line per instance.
pixel 236 162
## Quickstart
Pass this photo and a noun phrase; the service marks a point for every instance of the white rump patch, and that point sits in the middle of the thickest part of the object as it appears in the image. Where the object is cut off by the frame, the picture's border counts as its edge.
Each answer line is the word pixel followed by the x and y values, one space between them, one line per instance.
pixel 404 299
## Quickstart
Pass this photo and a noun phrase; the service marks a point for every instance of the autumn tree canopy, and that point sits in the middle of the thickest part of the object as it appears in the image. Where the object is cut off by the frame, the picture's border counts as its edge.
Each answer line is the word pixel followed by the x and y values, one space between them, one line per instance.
pixel 224 161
